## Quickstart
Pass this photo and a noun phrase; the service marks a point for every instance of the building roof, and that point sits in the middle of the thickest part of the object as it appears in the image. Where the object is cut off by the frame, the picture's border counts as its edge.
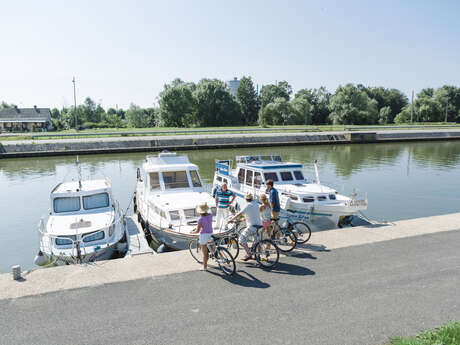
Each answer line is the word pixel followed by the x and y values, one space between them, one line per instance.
pixel 25 115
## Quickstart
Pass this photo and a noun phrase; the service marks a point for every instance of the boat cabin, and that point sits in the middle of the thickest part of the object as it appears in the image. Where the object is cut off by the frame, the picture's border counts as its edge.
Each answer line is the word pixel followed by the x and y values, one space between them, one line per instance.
pixel 81 197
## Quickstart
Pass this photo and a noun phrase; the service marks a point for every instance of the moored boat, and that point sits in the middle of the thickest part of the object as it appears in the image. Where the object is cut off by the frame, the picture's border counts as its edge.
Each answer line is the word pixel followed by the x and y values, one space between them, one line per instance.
pixel 303 199
pixel 85 224
pixel 168 190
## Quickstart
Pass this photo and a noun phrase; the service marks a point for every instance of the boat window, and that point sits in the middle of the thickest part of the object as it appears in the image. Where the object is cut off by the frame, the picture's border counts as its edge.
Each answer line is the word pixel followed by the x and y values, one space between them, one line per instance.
pixel 65 240
pixel 266 158
pixel 154 181
pixel 298 175
pixel 69 204
pixel 97 236
pixel 218 178
pixel 271 176
pixel 225 181
pixel 277 158
pixel 175 179
pixel 174 215
pixel 241 175
pixel 322 198
pixel 249 175
pixel 99 200
pixel 191 214
pixel 332 197
pixel 195 178
pixel 286 176
pixel 257 179
pixel 308 199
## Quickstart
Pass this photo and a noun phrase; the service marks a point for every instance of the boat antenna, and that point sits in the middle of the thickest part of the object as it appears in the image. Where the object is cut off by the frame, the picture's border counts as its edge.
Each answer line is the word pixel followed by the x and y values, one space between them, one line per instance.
pixel 79 173
pixel 317 174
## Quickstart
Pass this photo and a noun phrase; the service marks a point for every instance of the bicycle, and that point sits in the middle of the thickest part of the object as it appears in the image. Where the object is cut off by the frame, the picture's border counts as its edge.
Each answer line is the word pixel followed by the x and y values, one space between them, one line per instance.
pixel 230 240
pixel 299 228
pixel 265 251
pixel 222 256
pixel 284 237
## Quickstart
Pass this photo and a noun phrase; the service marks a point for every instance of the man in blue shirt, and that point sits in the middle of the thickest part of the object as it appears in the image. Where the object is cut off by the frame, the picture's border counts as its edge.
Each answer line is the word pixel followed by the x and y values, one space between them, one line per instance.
pixel 224 198
pixel 274 199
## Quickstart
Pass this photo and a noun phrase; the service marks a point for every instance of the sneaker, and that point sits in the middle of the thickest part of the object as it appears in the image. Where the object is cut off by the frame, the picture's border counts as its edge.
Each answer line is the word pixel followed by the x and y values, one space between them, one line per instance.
pixel 203 268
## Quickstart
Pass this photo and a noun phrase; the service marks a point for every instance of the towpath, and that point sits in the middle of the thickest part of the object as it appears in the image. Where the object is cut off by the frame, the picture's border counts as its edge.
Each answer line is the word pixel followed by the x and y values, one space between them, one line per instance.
pixel 356 295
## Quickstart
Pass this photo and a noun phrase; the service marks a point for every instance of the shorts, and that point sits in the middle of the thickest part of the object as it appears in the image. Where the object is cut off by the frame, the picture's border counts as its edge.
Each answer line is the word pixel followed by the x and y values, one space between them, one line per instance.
pixel 275 215
pixel 246 233
pixel 266 223
pixel 204 239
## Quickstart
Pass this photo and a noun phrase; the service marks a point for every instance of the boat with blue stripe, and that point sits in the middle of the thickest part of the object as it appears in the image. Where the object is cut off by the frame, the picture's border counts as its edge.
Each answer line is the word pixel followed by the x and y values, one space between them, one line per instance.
pixel 300 197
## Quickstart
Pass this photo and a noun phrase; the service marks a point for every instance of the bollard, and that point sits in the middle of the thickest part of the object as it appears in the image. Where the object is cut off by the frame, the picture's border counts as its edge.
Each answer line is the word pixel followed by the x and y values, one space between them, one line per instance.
pixel 16 272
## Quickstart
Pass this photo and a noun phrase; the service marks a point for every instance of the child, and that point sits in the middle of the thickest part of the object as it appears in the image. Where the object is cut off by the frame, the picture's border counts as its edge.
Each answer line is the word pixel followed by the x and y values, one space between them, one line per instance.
pixel 204 227
pixel 265 214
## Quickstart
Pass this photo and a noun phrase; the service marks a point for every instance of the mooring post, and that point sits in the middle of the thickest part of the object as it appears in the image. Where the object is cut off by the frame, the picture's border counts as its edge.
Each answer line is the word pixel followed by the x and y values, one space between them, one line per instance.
pixel 16 272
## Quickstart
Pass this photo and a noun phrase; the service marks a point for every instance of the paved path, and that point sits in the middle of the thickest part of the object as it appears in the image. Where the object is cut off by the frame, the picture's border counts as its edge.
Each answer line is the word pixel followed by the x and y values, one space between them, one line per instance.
pixel 357 295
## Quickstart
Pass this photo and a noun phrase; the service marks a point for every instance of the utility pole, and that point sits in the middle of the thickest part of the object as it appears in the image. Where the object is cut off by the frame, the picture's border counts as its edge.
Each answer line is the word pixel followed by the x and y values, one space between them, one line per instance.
pixel 447 102
pixel 75 102
pixel 412 108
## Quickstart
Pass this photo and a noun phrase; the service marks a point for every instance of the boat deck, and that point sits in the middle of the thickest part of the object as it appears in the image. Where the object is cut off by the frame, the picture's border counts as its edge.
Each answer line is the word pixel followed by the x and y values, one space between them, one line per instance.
pixel 137 242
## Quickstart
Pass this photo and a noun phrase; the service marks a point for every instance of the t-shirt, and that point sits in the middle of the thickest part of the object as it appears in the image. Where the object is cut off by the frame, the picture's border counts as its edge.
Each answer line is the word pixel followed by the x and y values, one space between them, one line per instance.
pixel 274 200
pixel 223 198
pixel 252 214
pixel 206 224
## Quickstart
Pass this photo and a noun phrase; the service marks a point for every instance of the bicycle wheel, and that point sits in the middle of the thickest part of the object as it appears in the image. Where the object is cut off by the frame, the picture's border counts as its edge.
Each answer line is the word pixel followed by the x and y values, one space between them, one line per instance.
pixel 285 239
pixel 302 231
pixel 231 244
pixel 225 261
pixel 195 249
pixel 267 253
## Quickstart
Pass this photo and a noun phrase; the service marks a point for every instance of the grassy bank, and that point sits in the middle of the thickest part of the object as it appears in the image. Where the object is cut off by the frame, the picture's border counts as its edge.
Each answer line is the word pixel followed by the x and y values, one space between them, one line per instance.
pixel 164 131
pixel 448 334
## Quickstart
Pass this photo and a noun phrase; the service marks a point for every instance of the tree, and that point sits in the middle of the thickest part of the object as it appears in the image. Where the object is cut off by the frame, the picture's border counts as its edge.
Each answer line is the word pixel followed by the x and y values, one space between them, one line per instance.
pixel 176 105
pixel 55 114
pixel 319 101
pixel 404 116
pixel 136 117
pixel 5 105
pixel 269 92
pixel 392 98
pixel 280 112
pixel 215 106
pixel 88 110
pixel 247 98
pixel 350 105
pixel 384 115
pixel 302 109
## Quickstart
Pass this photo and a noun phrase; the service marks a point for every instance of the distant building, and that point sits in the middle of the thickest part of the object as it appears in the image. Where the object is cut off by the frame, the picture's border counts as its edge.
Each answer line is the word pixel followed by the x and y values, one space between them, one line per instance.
pixel 233 85
pixel 25 119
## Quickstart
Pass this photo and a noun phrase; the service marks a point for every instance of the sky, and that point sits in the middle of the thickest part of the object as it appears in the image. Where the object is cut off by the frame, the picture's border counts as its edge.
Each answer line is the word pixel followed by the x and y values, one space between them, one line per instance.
pixel 123 52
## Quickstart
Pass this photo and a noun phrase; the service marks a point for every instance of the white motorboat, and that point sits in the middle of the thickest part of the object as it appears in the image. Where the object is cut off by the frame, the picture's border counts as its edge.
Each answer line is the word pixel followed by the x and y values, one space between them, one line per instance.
pixel 168 190
pixel 300 198
pixel 85 224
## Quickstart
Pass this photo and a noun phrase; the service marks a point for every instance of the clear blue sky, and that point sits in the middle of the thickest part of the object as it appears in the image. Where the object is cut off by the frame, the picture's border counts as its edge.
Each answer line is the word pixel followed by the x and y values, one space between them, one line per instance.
pixel 125 51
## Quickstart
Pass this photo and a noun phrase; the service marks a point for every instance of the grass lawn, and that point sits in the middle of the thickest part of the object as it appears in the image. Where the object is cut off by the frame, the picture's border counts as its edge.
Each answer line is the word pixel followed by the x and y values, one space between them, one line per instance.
pixel 118 132
pixel 449 334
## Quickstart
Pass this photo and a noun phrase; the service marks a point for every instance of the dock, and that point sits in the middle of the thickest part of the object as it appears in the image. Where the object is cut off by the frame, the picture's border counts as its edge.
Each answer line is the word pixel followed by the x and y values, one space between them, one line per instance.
pixel 137 243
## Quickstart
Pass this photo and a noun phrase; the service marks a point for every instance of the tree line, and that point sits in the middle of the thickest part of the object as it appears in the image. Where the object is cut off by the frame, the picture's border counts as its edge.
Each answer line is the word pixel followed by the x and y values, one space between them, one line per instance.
pixel 210 103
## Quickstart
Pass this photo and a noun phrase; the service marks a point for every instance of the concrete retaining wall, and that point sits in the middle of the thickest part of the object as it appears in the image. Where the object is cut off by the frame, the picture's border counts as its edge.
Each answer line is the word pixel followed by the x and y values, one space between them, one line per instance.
pixel 29 148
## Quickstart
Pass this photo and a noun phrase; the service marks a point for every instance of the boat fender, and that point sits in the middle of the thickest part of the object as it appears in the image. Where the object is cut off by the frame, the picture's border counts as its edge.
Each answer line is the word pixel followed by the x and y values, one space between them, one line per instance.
pixel 139 218
pixel 40 259
pixel 161 248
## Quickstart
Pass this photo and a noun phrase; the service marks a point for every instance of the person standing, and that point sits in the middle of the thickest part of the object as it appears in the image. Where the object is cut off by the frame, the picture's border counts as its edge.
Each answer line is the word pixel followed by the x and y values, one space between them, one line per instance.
pixel 274 198
pixel 265 214
pixel 204 227
pixel 224 198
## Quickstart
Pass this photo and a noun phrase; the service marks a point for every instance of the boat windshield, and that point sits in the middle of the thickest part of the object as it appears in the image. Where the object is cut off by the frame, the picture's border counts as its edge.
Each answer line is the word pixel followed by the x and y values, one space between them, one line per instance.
pixel 94 201
pixel 175 179
pixel 69 204
pixel 271 176
pixel 195 179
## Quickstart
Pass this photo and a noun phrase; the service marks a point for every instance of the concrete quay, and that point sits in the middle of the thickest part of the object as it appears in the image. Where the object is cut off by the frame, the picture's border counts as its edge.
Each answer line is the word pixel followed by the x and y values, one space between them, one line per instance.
pixel 41 281
pixel 31 148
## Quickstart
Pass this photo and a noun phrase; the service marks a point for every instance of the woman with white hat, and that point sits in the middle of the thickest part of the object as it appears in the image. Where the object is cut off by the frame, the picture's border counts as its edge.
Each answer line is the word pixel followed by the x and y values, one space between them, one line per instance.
pixel 204 227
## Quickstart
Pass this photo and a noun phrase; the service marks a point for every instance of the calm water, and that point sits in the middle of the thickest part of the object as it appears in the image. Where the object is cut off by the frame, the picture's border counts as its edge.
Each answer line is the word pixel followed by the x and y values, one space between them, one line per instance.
pixel 402 180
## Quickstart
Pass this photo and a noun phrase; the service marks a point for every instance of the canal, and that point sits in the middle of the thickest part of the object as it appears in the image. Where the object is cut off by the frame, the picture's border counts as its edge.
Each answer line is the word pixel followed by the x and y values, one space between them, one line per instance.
pixel 401 180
